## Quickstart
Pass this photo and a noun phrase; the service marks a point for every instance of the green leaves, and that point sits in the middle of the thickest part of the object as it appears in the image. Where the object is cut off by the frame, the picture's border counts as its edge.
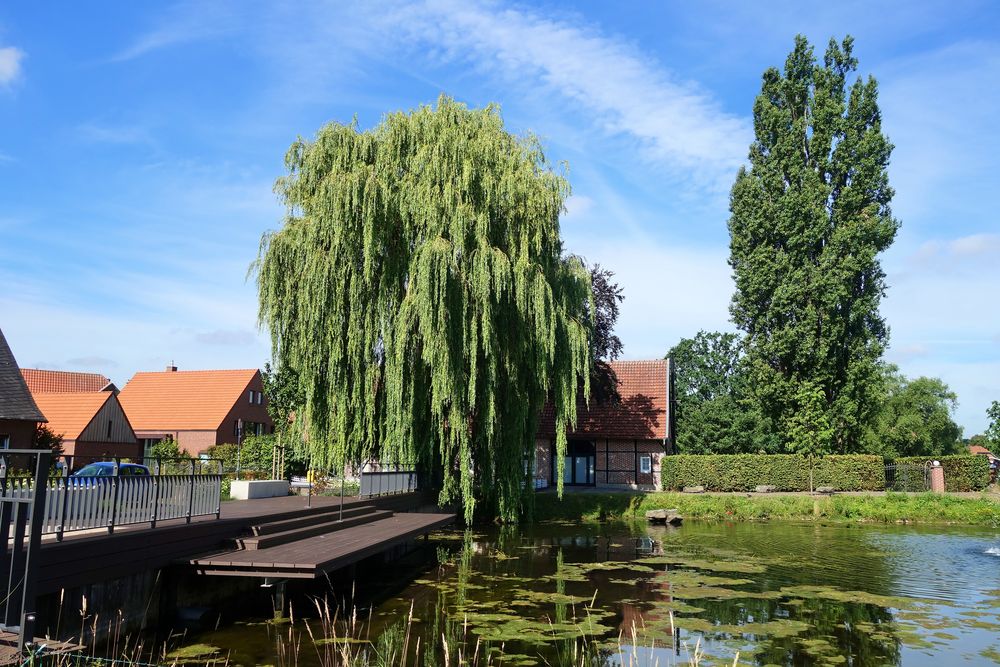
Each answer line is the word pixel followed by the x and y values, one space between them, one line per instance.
pixel 916 418
pixel 808 220
pixel 993 430
pixel 419 292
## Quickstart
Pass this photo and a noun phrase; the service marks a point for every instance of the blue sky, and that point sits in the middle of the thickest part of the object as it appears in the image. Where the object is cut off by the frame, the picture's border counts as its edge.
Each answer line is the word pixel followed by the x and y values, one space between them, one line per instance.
pixel 139 143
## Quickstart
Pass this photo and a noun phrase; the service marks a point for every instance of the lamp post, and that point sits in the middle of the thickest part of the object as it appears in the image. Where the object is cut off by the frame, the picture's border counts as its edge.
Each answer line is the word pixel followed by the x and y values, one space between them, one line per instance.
pixel 239 441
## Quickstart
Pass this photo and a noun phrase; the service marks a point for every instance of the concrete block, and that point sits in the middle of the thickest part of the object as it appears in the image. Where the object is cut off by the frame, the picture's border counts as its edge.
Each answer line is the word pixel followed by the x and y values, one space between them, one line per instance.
pixel 248 489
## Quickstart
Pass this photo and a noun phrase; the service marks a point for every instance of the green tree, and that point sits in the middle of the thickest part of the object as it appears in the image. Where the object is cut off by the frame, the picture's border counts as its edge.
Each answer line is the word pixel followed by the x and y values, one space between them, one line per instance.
pixel 46 438
pixel 712 413
pixel 284 400
pixel 166 449
pixel 917 418
pixel 419 290
pixel 255 455
pixel 808 220
pixel 993 430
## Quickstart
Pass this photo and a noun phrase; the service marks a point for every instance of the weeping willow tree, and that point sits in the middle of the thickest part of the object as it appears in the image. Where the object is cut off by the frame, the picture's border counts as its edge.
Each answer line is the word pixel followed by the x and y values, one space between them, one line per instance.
pixel 419 290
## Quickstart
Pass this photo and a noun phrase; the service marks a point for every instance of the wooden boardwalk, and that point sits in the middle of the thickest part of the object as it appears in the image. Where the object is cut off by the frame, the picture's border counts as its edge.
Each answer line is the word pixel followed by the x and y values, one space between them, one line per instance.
pixel 83 559
pixel 311 556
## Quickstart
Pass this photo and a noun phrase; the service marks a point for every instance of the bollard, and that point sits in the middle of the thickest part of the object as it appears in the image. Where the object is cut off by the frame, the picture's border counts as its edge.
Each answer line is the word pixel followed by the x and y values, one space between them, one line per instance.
pixel 937 477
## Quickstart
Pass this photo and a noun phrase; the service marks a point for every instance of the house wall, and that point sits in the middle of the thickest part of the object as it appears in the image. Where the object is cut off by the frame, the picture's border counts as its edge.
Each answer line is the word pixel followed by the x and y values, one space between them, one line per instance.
pixel 616 465
pixel 246 411
pixel 543 463
pixel 86 451
pixel 121 431
pixel 19 432
pixel 191 443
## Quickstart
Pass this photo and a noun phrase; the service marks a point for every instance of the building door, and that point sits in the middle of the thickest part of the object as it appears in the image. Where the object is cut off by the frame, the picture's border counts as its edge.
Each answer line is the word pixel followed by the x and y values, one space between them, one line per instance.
pixel 579 465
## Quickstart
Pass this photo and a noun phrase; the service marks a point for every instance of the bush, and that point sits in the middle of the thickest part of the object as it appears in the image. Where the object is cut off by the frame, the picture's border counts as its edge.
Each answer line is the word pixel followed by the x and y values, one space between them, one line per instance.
pixel 256 454
pixel 962 472
pixel 785 472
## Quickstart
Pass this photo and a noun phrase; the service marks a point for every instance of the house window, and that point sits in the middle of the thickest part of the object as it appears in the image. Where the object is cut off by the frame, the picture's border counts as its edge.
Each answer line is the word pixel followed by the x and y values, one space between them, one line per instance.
pixel 645 464
pixel 4 441
pixel 109 429
pixel 260 397
pixel 147 447
pixel 252 392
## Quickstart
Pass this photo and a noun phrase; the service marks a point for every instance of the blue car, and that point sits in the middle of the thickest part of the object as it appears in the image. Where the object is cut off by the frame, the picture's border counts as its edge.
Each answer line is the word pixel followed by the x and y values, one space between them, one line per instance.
pixel 107 469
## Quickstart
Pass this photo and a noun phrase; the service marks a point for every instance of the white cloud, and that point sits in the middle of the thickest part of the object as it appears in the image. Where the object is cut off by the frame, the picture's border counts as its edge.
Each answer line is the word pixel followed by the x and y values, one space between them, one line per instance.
pixel 10 64
pixel 106 134
pixel 92 361
pixel 185 23
pixel 676 122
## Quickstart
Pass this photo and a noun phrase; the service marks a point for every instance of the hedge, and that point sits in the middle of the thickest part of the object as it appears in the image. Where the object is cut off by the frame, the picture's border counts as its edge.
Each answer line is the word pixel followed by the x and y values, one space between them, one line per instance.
pixel 785 472
pixel 962 472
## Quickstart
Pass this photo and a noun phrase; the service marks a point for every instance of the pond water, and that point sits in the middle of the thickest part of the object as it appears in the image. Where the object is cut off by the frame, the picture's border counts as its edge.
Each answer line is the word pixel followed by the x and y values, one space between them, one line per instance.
pixel 632 594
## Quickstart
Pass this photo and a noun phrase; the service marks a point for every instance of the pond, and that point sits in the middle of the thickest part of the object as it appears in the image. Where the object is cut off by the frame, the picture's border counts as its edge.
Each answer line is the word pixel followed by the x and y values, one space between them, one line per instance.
pixel 632 594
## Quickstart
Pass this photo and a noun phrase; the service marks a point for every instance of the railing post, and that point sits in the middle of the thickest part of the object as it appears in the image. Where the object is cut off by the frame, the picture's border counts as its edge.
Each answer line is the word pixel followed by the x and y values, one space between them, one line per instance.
pixel 218 496
pixel 114 496
pixel 156 494
pixel 342 492
pixel 65 501
pixel 27 620
pixel 191 493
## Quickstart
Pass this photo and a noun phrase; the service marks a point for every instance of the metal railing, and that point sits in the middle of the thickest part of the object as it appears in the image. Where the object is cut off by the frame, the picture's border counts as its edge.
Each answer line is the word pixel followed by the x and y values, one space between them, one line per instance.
pixel 20 538
pixel 384 480
pixel 174 489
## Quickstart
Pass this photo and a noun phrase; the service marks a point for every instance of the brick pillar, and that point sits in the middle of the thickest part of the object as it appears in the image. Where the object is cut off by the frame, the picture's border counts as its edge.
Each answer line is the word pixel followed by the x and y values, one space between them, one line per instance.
pixel 937 478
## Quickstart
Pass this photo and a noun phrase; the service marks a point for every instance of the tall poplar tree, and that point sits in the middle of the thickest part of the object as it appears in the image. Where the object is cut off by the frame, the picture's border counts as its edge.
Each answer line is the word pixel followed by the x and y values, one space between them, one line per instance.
pixel 808 220
pixel 418 289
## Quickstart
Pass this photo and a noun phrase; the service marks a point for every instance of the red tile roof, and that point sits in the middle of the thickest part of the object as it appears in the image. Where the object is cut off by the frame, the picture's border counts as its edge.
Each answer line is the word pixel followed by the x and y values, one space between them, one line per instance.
pixel 61 382
pixel 641 414
pixel 979 449
pixel 70 413
pixel 183 400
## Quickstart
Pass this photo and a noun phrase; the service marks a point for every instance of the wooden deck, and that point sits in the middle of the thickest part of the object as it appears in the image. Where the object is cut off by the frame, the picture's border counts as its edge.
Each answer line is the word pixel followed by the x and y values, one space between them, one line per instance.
pixel 87 558
pixel 312 556
pixel 9 654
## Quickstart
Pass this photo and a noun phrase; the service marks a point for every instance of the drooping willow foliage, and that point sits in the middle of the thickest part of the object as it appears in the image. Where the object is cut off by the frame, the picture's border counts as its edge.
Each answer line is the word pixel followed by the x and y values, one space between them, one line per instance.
pixel 419 290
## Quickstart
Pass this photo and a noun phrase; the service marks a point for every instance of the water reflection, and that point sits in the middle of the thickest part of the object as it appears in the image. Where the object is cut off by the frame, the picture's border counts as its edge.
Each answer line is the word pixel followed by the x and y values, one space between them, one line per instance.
pixel 777 594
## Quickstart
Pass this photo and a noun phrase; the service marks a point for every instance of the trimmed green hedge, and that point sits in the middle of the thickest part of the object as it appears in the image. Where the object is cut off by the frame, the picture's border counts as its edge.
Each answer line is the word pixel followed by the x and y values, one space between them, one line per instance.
pixel 962 472
pixel 785 472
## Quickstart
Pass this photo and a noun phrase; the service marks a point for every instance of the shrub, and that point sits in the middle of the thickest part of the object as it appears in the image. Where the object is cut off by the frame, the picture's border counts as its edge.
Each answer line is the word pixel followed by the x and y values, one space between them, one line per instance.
pixel 962 472
pixel 255 452
pixel 785 472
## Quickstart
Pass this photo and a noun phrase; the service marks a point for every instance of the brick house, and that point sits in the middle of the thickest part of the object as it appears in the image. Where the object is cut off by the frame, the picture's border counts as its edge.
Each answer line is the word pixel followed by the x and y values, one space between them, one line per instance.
pixel 616 445
pixel 198 409
pixel 92 424
pixel 19 415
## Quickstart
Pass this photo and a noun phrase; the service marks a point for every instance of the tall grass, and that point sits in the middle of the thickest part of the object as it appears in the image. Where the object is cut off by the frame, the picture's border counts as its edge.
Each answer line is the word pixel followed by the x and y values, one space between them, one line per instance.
pixel 335 639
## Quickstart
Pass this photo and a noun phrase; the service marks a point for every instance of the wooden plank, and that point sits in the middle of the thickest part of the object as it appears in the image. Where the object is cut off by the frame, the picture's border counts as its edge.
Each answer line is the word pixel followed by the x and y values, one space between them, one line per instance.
pixel 319 555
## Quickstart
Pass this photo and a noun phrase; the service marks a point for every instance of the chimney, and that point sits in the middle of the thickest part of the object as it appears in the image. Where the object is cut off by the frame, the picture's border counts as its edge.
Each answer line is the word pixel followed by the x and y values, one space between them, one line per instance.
pixel 171 368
